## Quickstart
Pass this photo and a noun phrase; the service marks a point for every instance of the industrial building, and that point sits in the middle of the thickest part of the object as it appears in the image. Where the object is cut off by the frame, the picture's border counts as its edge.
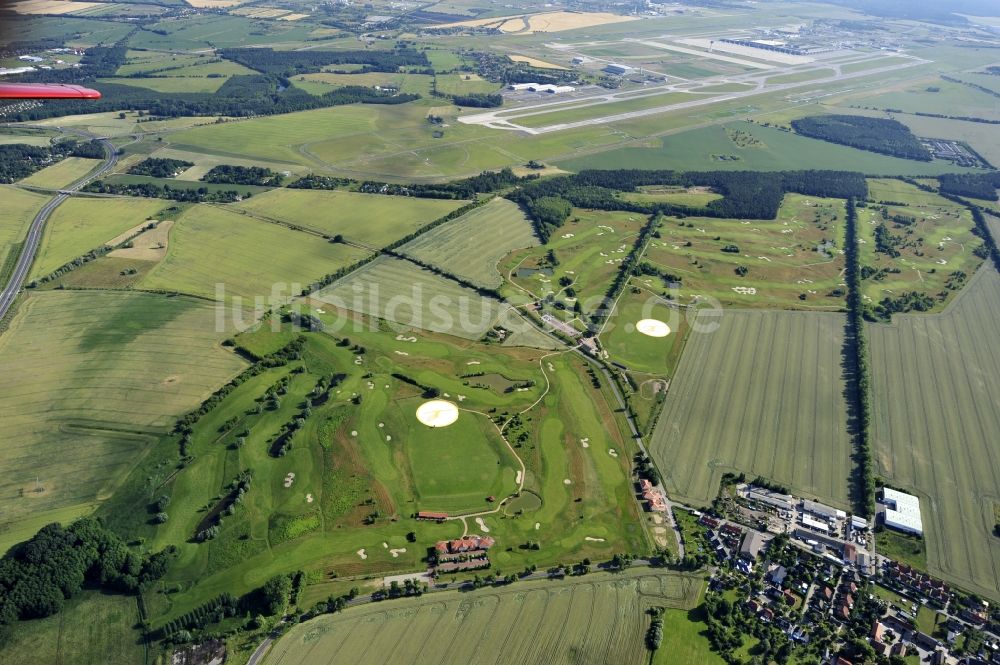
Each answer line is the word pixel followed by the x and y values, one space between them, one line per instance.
pixel 541 87
pixel 769 498
pixel 617 70
pixel 902 511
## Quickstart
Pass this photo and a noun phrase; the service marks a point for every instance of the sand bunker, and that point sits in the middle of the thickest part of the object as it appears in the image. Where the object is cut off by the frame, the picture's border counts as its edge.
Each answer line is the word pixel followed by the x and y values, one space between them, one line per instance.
pixel 594 540
pixel 362 553
pixel 309 498
pixel 653 328
pixel 567 481
pixel 396 552
pixel 519 476
pixel 482 525
pixel 437 413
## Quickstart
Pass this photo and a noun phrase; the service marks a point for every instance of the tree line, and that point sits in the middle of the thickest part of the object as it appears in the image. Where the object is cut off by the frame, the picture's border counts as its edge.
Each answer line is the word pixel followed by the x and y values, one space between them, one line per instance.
pixel 153 190
pixel 976 185
pixel 158 167
pixel 881 135
pixel 227 174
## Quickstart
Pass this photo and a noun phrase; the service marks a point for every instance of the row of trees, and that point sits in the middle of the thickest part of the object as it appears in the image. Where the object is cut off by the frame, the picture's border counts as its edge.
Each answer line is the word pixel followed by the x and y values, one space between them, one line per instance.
pixel 881 135
pixel 152 190
pixel 858 370
pixel 466 188
pixel 38 576
pixel 158 167
pixel 242 175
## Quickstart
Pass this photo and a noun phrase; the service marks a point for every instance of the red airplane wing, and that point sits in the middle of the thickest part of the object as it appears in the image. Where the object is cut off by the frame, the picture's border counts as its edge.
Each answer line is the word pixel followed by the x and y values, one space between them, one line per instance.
pixel 46 91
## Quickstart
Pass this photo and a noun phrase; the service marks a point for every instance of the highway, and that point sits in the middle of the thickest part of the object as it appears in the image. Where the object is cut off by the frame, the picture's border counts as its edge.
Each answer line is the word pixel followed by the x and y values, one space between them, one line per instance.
pixel 34 237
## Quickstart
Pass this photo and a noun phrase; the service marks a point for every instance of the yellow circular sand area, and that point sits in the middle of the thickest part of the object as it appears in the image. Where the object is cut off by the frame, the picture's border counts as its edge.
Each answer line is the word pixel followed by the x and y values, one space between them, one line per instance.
pixel 653 328
pixel 437 413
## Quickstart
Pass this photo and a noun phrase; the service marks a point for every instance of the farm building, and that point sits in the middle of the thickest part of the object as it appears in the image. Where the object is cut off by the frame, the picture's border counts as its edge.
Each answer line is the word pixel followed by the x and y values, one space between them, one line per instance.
pixel 617 70
pixel 902 511
pixel 814 524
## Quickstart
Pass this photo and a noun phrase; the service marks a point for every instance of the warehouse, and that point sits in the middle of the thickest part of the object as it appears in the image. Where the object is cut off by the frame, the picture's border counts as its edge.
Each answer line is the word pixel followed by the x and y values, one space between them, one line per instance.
pixel 902 511
pixel 822 510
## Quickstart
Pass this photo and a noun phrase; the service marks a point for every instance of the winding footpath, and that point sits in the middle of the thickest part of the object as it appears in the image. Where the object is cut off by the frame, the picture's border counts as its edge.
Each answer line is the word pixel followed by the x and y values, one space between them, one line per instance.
pixel 34 237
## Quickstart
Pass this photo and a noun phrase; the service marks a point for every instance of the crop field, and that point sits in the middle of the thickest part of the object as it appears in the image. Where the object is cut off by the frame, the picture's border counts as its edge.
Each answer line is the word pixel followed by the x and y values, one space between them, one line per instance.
pixel 472 245
pixel 62 173
pixel 934 381
pixel 20 207
pixel 102 623
pixel 211 246
pixel 174 84
pixel 762 394
pixel 595 619
pixel 324 82
pixel 370 219
pixel 545 22
pixel 204 163
pixel 932 237
pixel 82 224
pixel 83 375
pixel 711 148
pixel 978 135
pixel 590 249
pixel 402 292
pixel 792 262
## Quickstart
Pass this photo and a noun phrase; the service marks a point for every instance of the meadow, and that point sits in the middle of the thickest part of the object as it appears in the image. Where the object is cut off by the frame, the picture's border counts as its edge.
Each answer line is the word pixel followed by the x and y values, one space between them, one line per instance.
pixel 939 96
pixel 934 242
pixel 690 196
pixel 762 394
pixel 596 618
pixel 711 148
pixel 87 381
pixel 61 174
pixel 82 224
pixel 370 219
pixel 934 378
pixel 102 622
pixel 211 246
pixel 412 297
pixel 472 245
pixel 642 354
pixel 792 262
pixel 321 83
pixel 174 84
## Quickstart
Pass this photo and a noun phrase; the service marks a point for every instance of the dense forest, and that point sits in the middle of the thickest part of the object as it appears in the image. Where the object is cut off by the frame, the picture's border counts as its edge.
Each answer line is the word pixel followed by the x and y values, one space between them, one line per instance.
pixel 38 576
pixel 478 100
pixel 887 137
pixel 242 175
pixel 746 194
pixel 289 63
pixel 18 160
pixel 160 168
pixel 977 185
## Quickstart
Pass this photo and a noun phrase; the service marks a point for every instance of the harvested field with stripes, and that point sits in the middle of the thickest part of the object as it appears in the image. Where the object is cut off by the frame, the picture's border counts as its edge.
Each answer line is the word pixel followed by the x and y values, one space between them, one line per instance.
pixel 472 245
pixel 596 619
pixel 763 394
pixel 935 379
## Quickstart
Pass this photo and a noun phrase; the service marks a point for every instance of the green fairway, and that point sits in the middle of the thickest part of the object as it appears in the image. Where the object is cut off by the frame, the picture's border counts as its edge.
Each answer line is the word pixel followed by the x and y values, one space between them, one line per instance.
pixel 210 246
pixel 657 356
pixel 371 219
pixel 82 224
pixel 94 629
pixel 763 394
pixel 472 245
pixel 695 197
pixel 84 376
pixel 932 236
pixel 600 615
pixel 792 262
pixel 934 378
pixel 62 173
pixel 711 148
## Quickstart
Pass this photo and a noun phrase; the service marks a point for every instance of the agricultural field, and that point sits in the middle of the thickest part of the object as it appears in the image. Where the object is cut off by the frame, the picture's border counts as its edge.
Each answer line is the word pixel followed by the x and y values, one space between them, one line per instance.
pixel 324 82
pixel 87 381
pixel 934 416
pixel 464 84
pixel 212 247
pixel 472 245
pixel 371 219
pixel 589 250
pixel 20 207
pixel 939 96
pixel 600 615
pixel 412 297
pixel 763 394
pixel 795 261
pixel 712 148
pixel 914 241
pixel 103 622
pixel 82 224
pixel 62 173
pixel 174 84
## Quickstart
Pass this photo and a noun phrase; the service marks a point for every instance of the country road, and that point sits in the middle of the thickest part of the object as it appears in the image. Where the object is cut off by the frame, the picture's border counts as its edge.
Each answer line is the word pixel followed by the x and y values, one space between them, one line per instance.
pixel 34 237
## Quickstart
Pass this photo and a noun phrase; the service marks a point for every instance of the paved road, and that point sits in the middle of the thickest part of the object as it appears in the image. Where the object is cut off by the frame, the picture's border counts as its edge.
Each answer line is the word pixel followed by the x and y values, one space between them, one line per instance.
pixel 34 237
